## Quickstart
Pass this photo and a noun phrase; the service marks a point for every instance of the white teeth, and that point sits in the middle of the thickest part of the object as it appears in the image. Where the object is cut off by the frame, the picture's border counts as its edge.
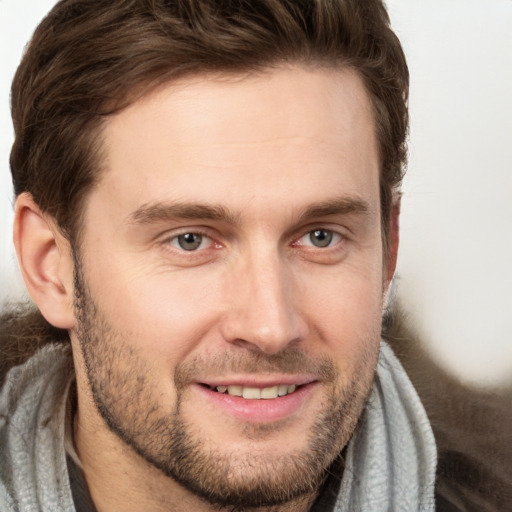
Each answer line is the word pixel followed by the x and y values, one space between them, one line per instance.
pixel 251 393
pixel 282 390
pixel 269 393
pixel 235 390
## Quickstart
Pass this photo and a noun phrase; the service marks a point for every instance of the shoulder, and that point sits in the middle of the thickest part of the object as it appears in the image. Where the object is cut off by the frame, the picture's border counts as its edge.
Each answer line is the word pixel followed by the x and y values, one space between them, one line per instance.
pixel 32 420
pixel 23 331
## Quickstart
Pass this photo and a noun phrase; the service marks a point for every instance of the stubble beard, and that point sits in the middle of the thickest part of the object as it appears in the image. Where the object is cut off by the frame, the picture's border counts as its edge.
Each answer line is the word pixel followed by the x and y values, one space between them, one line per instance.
pixel 123 392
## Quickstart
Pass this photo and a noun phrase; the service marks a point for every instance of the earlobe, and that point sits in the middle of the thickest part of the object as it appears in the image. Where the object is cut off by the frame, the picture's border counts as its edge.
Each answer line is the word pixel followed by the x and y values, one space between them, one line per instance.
pixel 46 262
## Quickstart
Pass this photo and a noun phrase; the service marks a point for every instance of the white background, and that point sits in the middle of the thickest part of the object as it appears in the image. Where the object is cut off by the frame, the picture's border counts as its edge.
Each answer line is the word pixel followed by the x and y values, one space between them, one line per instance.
pixel 455 265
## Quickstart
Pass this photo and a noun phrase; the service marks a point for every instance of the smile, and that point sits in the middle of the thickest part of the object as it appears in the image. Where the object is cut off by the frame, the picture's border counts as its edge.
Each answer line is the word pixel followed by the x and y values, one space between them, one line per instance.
pixel 260 402
pixel 254 393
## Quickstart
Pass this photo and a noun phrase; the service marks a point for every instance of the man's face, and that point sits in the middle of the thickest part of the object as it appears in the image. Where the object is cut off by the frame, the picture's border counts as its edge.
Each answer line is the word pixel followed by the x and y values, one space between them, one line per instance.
pixel 233 247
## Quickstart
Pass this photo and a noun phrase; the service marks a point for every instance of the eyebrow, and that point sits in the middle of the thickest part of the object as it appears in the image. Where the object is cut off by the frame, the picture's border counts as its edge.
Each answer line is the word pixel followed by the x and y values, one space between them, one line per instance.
pixel 336 206
pixel 162 211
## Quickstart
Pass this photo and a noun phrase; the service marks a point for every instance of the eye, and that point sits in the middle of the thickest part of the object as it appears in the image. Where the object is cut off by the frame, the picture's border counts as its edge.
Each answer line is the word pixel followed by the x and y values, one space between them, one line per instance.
pixel 320 238
pixel 191 241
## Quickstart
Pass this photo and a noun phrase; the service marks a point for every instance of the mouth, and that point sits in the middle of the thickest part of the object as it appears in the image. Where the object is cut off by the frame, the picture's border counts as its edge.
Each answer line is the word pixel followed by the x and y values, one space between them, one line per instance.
pixel 256 393
pixel 263 399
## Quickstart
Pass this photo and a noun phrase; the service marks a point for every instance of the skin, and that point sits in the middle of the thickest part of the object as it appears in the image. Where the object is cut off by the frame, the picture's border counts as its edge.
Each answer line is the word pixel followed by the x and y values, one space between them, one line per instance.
pixel 279 154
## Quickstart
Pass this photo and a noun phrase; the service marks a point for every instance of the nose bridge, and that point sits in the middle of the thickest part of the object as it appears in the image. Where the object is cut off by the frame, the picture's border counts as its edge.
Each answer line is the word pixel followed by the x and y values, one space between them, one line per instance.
pixel 263 309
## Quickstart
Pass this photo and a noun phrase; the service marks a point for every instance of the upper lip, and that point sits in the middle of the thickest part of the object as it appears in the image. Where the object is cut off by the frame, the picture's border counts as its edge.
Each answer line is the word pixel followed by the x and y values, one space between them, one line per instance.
pixel 260 381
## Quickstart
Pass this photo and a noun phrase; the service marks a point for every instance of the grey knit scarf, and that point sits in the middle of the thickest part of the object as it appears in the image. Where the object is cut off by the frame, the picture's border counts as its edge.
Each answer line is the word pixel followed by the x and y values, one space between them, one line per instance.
pixel 390 463
pixel 391 459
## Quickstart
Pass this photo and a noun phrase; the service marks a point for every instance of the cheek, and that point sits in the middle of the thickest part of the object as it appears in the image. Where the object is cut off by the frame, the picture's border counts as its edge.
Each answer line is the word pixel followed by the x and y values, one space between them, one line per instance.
pixel 162 314
pixel 347 313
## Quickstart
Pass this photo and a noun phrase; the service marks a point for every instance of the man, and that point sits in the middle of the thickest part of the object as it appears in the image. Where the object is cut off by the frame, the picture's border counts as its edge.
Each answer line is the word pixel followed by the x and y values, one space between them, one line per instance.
pixel 207 205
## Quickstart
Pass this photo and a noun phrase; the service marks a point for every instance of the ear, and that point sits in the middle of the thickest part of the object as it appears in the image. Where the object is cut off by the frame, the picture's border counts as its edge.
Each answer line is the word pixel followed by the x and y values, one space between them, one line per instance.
pixel 393 239
pixel 46 262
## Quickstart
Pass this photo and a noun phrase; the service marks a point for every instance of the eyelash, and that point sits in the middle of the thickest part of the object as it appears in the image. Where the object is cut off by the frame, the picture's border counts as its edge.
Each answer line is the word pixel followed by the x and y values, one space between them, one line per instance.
pixel 335 237
pixel 168 241
pixel 176 239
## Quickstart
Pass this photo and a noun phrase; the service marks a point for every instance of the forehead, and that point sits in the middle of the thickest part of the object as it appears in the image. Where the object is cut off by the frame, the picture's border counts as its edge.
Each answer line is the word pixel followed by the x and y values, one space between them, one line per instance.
pixel 290 132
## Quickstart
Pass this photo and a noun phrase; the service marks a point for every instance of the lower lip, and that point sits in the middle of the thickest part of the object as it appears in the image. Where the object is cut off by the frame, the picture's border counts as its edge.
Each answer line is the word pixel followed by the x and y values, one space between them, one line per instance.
pixel 260 411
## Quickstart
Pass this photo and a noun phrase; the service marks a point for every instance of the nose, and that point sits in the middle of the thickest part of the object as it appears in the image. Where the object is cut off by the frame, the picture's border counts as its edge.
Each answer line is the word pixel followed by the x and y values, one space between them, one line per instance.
pixel 262 310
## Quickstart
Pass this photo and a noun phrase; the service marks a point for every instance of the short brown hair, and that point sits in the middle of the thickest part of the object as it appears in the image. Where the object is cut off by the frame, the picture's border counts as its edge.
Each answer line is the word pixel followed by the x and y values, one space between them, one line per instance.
pixel 89 59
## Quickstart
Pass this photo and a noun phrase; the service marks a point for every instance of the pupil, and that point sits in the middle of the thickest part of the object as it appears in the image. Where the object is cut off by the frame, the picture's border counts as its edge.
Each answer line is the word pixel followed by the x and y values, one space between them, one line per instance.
pixel 190 241
pixel 320 237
